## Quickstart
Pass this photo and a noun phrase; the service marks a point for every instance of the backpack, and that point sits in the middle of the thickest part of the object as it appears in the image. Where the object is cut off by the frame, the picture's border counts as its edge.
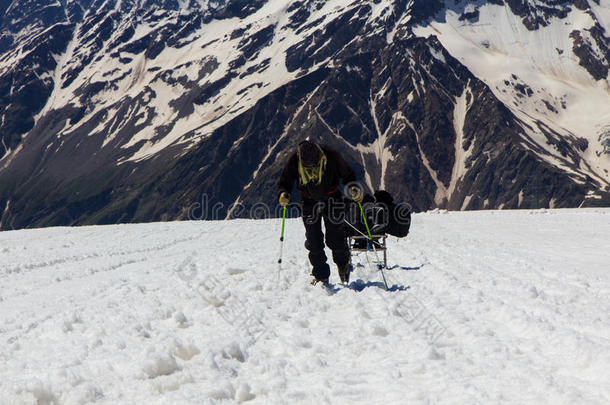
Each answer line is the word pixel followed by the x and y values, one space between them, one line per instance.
pixel 383 215
pixel 397 216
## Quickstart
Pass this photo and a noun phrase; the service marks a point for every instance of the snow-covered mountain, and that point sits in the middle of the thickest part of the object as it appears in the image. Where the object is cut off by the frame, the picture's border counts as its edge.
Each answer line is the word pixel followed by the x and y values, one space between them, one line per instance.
pixel 125 110
pixel 488 307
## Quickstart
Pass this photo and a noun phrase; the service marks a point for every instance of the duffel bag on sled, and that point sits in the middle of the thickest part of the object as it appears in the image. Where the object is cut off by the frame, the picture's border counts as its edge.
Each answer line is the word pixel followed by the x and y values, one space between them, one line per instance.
pixel 383 215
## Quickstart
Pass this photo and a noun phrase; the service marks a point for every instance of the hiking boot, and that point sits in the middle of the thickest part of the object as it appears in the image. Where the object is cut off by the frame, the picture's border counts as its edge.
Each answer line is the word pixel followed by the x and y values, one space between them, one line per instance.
pixel 315 281
pixel 344 272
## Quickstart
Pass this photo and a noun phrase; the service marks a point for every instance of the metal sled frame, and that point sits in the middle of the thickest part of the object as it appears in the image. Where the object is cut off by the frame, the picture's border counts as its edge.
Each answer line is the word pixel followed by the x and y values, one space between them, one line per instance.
pixel 381 241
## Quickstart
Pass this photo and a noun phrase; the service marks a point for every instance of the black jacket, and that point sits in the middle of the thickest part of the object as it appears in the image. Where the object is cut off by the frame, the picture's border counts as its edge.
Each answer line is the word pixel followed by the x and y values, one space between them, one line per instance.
pixel 336 170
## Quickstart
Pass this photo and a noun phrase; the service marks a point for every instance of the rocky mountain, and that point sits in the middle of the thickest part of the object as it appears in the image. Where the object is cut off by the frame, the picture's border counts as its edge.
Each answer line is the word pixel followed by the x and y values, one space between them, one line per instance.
pixel 141 110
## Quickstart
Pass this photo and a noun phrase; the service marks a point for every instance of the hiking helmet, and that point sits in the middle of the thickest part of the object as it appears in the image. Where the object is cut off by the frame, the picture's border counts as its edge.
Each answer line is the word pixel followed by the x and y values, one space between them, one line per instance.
pixel 309 153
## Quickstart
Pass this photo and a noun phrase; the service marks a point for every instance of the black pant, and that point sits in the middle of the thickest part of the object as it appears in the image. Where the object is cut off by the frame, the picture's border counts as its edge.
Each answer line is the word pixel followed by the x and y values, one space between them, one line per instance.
pixel 330 211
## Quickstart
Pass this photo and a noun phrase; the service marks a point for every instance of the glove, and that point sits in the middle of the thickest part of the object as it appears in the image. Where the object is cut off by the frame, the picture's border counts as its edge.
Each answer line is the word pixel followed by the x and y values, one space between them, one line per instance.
pixel 356 194
pixel 284 199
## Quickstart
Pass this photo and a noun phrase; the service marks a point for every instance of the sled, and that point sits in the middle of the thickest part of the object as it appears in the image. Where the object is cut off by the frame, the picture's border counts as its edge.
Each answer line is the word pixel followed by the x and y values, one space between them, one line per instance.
pixel 362 243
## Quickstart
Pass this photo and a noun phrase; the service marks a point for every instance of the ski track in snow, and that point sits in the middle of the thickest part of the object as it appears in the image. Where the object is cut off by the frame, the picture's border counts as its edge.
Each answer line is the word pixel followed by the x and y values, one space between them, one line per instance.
pixel 484 307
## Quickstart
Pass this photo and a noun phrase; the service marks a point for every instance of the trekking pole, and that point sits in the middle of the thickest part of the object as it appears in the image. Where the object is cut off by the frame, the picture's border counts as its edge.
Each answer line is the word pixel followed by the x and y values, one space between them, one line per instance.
pixel 279 262
pixel 379 266
pixel 365 223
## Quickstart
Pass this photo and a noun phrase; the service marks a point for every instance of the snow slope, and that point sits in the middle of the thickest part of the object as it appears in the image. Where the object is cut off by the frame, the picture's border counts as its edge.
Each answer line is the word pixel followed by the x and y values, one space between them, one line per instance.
pixel 485 307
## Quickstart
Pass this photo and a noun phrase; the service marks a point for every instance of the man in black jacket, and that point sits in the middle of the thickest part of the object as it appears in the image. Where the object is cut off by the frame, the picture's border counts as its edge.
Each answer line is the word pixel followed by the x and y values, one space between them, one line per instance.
pixel 318 171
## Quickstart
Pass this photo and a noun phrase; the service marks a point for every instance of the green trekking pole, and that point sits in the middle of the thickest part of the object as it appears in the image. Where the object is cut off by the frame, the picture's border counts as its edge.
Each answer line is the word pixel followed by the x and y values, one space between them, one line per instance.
pixel 279 262
pixel 365 224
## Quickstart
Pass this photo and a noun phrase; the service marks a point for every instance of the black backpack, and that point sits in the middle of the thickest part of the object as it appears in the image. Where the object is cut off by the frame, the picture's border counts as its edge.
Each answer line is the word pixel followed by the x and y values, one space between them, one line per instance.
pixel 397 216
pixel 383 215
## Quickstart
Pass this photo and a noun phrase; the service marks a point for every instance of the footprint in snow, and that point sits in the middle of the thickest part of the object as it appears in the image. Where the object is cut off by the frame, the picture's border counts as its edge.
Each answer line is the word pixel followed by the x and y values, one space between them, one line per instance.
pixel 379 330
pixel 234 271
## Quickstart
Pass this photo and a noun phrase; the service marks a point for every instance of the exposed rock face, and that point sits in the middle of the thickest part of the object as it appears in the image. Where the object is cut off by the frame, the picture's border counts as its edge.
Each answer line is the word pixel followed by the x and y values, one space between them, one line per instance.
pixel 595 61
pixel 117 111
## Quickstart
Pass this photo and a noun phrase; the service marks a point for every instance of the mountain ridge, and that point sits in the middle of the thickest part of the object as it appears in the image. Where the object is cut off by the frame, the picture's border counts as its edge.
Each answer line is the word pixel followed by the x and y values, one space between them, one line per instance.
pixel 150 108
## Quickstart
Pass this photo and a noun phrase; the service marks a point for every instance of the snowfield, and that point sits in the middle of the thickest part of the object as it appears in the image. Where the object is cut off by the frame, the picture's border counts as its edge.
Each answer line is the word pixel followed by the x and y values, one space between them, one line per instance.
pixel 484 307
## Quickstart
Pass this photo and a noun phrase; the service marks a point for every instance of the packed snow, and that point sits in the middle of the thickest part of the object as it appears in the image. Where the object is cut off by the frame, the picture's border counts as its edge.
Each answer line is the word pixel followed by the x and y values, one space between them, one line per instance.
pixel 483 307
